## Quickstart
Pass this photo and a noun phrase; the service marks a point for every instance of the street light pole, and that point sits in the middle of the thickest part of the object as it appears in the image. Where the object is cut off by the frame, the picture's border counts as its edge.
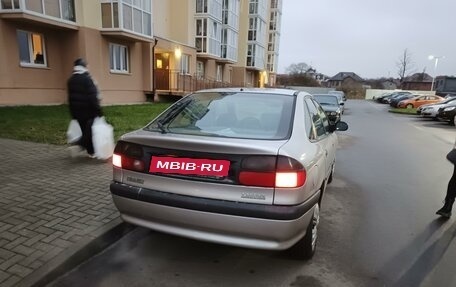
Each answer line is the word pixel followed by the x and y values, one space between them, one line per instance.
pixel 436 62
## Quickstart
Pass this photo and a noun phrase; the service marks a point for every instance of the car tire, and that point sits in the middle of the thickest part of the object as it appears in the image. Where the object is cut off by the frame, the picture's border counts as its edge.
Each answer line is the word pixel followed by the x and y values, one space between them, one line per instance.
pixel 306 246
pixel 409 106
pixel 330 178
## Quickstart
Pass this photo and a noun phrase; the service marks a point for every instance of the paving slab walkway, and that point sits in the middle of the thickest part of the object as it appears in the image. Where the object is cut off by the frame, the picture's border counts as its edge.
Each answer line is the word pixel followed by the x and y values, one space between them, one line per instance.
pixel 52 207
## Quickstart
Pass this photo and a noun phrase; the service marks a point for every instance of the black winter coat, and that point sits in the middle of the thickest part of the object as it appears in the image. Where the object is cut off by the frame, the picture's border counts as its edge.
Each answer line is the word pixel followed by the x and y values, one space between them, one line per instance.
pixel 82 97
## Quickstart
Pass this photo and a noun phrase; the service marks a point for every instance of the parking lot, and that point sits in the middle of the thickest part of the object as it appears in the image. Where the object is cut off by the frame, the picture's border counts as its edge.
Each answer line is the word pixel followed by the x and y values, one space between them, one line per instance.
pixel 439 129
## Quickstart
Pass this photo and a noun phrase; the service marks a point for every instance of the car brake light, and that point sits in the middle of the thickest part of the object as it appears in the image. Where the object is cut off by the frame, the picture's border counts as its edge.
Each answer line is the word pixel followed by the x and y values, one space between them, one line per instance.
pixel 128 156
pixel 272 171
pixel 290 179
pixel 117 160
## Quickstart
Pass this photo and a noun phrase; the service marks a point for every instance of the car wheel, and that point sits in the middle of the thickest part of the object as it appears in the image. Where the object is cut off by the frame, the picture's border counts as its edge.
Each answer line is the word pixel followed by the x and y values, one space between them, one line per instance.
pixel 452 122
pixel 330 178
pixel 409 106
pixel 305 248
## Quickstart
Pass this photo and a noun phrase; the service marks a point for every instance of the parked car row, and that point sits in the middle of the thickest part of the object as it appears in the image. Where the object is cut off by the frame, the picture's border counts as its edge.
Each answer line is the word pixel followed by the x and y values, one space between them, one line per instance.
pixel 443 111
pixel 405 99
pixel 428 106
pixel 386 98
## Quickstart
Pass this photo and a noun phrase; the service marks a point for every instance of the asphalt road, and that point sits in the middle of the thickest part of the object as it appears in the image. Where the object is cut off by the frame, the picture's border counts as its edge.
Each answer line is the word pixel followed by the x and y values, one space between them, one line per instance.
pixel 378 225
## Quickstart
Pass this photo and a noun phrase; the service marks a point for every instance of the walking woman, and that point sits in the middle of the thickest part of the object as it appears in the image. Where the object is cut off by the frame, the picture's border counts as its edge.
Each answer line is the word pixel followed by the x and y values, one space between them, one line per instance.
pixel 84 103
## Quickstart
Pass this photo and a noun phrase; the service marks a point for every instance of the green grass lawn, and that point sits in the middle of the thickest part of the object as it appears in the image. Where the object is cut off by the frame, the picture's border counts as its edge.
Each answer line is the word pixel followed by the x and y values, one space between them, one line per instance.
pixel 48 124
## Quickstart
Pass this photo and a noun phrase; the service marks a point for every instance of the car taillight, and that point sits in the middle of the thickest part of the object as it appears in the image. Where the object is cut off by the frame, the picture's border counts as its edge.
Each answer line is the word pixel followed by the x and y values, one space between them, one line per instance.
pixel 272 171
pixel 128 156
pixel 117 160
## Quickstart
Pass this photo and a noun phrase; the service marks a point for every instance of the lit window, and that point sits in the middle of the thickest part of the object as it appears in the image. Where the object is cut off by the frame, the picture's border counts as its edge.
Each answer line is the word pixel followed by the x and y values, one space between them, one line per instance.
pixel 31 48
pixel 118 58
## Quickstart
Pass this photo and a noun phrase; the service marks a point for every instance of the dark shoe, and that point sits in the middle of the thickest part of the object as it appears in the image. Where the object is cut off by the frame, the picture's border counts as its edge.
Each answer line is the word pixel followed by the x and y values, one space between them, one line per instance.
pixel 445 211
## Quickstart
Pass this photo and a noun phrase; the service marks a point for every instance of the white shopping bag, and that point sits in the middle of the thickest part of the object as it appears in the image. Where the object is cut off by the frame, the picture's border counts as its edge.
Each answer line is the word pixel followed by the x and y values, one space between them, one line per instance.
pixel 74 132
pixel 102 138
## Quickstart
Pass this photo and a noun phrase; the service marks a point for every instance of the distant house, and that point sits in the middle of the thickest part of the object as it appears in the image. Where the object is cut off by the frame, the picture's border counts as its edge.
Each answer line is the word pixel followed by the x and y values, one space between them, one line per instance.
pixel 311 72
pixel 417 82
pixel 390 84
pixel 345 78
pixel 444 85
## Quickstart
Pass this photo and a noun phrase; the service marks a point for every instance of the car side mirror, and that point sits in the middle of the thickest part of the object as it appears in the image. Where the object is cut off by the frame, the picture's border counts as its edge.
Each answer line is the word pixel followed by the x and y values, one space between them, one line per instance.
pixel 339 126
pixel 342 104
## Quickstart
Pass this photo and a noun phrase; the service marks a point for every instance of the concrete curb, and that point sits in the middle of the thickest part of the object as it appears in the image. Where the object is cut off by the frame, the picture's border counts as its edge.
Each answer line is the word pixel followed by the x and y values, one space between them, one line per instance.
pixel 72 257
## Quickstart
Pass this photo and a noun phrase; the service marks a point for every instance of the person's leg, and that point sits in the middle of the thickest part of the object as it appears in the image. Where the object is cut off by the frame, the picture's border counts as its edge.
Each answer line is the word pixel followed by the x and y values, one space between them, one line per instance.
pixel 89 141
pixel 82 141
pixel 445 211
pixel 451 191
pixel 86 139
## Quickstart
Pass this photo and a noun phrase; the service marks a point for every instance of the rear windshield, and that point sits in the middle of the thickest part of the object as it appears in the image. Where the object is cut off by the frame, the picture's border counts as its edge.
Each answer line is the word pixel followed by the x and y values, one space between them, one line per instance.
pixel 232 115
pixel 327 100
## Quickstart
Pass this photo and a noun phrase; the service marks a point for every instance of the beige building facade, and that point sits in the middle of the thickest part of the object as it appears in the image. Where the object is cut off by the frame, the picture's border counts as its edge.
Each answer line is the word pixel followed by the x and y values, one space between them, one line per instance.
pixel 136 50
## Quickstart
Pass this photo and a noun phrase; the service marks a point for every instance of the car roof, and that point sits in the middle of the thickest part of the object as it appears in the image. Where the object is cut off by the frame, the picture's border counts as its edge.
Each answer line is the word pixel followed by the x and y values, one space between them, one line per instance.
pixel 326 95
pixel 289 92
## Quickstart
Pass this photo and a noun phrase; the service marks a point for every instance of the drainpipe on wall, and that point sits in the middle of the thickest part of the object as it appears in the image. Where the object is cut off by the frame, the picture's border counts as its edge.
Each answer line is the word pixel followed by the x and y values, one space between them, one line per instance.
pixel 153 69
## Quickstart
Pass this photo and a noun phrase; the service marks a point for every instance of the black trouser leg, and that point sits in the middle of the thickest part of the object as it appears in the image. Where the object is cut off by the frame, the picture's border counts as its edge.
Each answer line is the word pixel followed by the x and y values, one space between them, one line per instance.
pixel 451 191
pixel 86 139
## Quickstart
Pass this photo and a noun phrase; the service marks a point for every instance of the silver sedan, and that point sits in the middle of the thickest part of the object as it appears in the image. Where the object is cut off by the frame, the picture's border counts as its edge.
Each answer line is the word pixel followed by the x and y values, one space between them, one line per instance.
pixel 245 167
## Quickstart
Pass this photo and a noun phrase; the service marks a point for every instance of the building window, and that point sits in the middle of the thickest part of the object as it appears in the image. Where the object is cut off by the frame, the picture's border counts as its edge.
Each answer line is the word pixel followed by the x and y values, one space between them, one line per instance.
pixel 274 4
pixel 201 36
pixel 250 55
pixel 118 58
pixel 219 73
pixel 201 27
pixel 136 15
pixel 253 7
pixel 201 6
pixel 60 9
pixel 31 48
pixel 185 64
pixel 200 70
pixel 9 4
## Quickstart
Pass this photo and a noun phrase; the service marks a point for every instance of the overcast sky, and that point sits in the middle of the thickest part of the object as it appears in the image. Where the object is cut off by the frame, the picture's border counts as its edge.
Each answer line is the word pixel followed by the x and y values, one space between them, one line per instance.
pixel 368 36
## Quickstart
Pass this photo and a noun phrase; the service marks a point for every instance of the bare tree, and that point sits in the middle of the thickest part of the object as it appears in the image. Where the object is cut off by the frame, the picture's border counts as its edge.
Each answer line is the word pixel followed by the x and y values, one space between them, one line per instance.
pixel 299 68
pixel 404 65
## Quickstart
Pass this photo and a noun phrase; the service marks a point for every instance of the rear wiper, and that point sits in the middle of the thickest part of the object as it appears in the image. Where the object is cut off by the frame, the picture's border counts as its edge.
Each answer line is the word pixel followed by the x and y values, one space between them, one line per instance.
pixel 175 110
pixel 161 127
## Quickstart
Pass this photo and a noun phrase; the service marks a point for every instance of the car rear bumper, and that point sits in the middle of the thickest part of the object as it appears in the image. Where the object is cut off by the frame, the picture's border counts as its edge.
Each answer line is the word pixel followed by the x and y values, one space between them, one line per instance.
pixel 234 223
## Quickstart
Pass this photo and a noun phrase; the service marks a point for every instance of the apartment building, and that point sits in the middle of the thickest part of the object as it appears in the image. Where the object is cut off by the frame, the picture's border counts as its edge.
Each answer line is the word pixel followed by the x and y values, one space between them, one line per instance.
pixel 275 20
pixel 136 50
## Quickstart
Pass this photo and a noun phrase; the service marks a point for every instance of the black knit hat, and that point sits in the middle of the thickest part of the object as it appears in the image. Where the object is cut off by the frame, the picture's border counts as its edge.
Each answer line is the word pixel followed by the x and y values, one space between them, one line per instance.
pixel 80 62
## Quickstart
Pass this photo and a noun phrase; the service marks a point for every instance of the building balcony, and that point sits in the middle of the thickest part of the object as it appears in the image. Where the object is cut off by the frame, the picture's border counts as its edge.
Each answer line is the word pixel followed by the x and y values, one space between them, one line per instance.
pixel 132 22
pixel 56 13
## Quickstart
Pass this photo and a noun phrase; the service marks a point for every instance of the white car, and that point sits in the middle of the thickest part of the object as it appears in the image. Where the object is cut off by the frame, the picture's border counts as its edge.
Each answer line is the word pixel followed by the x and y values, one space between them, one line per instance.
pixel 431 110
